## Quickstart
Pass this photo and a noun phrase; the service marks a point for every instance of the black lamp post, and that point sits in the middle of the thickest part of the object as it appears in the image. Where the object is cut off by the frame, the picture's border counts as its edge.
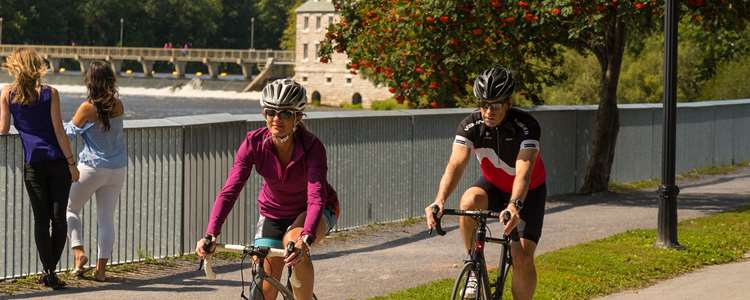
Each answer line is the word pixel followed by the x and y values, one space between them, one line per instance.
pixel 668 190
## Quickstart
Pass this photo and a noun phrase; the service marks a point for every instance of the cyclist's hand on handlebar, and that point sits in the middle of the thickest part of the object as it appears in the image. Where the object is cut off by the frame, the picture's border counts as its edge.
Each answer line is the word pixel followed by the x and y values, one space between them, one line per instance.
pixel 299 254
pixel 430 217
pixel 513 221
pixel 205 247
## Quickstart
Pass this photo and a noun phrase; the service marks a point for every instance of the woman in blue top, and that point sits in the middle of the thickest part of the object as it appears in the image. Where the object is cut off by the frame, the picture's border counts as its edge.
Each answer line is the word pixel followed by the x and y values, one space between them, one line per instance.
pixel 102 163
pixel 49 167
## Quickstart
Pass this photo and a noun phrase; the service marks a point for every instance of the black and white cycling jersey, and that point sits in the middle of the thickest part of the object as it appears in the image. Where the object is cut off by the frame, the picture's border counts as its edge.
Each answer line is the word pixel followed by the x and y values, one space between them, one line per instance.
pixel 497 147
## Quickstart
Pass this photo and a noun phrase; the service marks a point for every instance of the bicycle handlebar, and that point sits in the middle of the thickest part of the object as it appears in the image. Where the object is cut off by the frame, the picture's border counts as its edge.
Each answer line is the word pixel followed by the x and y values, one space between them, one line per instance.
pixel 472 213
pixel 207 262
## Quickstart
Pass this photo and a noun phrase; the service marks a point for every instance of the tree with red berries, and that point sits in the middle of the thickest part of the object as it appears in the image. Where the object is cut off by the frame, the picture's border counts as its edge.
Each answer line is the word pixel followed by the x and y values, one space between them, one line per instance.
pixel 429 50
pixel 426 52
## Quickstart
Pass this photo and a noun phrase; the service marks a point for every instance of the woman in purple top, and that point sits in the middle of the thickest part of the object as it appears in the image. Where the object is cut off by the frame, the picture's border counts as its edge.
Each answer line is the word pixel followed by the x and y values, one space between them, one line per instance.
pixel 296 203
pixel 49 167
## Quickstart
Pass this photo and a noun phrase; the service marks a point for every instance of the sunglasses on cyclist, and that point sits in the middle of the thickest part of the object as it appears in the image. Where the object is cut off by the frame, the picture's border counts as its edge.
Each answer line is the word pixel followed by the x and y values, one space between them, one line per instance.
pixel 493 105
pixel 283 114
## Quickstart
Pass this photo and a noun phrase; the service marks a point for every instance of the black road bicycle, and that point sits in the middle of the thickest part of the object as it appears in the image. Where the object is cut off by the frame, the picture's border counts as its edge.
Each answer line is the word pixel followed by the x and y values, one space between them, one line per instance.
pixel 475 265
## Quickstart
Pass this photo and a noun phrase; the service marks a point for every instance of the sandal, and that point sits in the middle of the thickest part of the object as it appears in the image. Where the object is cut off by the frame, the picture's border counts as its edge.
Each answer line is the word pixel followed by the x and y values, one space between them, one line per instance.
pixel 78 271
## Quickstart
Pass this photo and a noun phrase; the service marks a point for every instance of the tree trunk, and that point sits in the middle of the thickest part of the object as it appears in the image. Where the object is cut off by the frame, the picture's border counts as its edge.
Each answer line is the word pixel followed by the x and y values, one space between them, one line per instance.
pixel 607 120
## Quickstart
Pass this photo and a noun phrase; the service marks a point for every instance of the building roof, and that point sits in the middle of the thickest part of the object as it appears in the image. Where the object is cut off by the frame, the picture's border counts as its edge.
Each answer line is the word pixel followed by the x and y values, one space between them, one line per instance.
pixel 316 6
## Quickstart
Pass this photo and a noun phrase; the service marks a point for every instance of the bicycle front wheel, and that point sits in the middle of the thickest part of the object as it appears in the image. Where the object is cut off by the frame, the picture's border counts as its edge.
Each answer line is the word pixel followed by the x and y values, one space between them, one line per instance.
pixel 460 291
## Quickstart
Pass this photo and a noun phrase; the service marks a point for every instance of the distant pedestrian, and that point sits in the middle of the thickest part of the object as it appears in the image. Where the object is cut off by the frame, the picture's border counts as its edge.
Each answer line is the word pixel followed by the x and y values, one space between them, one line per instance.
pixel 185 48
pixel 99 120
pixel 49 166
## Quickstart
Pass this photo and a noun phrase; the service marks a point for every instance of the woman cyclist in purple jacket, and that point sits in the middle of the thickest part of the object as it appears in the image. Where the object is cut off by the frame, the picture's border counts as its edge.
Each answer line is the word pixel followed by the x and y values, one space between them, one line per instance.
pixel 296 203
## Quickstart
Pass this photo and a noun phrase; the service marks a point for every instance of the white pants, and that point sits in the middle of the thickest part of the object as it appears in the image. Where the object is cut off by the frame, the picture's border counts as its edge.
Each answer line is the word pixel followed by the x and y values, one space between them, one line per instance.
pixel 106 184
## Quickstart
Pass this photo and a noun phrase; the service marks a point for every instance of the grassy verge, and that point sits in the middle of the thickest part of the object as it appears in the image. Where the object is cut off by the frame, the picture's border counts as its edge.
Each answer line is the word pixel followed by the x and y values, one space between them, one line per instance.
pixel 653 183
pixel 624 261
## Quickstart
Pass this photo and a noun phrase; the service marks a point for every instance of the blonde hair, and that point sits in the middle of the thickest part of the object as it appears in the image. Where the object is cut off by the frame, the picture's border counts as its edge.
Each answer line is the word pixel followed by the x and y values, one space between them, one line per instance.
pixel 28 68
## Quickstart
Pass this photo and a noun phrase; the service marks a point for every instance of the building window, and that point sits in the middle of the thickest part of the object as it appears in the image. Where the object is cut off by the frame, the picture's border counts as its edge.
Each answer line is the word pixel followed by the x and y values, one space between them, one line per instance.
pixel 329 79
pixel 307 20
pixel 304 78
pixel 317 22
pixel 304 51
pixel 349 80
pixel 317 47
pixel 330 20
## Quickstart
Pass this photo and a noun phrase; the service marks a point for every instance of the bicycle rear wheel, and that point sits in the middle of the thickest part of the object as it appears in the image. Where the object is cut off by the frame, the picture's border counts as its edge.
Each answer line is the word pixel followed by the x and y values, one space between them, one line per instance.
pixel 459 287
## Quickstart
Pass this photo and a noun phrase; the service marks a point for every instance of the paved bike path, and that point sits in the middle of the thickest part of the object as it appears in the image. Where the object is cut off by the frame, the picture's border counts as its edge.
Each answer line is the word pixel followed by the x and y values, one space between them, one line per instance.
pixel 392 258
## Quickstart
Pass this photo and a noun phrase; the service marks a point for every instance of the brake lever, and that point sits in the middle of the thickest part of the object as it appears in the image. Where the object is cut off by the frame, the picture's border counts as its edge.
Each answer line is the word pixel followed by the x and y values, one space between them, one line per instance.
pixel 438 228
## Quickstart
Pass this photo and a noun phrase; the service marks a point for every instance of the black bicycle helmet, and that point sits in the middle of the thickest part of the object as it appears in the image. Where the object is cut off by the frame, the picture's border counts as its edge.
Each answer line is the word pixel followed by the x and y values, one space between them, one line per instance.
pixel 494 84
pixel 284 94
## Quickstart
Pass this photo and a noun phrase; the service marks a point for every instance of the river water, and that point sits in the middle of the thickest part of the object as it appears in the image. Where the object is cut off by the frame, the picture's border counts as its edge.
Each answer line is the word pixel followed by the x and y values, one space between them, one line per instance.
pixel 145 103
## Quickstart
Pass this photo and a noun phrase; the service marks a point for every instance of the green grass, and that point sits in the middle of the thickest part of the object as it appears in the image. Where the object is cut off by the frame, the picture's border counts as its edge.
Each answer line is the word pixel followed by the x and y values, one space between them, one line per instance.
pixel 653 183
pixel 624 261
pixel 647 184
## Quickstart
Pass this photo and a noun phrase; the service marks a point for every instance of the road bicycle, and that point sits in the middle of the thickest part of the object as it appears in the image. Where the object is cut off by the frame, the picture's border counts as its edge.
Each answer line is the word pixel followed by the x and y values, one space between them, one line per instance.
pixel 475 265
pixel 258 274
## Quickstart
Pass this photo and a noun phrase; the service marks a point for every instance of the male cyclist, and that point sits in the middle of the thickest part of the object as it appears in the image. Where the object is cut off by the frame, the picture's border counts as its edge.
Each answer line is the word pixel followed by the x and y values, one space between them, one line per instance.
pixel 505 140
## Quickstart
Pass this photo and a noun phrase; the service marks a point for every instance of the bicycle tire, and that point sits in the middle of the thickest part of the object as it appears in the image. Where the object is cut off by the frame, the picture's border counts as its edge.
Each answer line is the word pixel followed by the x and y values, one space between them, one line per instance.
pixel 462 279
pixel 256 292
pixel 502 272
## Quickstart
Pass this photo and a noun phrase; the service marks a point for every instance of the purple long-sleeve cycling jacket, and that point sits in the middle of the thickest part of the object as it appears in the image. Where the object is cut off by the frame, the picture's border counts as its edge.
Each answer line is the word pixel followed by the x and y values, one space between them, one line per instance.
pixel 286 192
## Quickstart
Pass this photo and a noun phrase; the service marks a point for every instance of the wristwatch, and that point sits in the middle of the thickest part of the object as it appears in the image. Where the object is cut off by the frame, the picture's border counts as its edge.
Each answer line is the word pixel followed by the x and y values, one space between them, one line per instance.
pixel 517 203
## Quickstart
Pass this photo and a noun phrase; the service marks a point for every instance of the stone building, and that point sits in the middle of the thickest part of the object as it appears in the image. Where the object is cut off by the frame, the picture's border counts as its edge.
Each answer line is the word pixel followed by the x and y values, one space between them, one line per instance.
pixel 331 82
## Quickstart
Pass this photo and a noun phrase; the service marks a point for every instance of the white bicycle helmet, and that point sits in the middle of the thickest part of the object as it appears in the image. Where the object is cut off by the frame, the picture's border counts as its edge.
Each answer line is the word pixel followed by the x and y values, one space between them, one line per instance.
pixel 284 94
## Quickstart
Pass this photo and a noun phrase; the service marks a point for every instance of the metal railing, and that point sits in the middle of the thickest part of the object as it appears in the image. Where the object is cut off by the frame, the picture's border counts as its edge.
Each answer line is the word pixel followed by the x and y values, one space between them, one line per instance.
pixel 385 167
pixel 156 54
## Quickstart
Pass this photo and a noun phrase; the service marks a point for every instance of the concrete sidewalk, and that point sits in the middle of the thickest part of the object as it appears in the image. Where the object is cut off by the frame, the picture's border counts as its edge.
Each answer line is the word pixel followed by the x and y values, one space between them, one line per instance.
pixel 392 258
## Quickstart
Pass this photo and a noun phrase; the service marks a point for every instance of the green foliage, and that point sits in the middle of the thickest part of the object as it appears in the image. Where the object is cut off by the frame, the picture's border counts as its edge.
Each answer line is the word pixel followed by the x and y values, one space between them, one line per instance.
pixel 146 23
pixel 641 78
pixel 388 104
pixel 234 25
pixel 581 83
pixel 623 261
pixel 271 21
pixel 346 105
pixel 289 39
pixel 730 82
pixel 427 51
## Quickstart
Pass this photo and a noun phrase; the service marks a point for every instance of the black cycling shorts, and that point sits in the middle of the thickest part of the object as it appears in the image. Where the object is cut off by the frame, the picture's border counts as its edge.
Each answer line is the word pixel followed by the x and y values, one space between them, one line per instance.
pixel 270 232
pixel 532 213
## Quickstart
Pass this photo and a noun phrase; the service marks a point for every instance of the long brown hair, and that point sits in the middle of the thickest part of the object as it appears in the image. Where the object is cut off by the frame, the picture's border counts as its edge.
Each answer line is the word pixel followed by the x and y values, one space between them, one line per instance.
pixel 27 69
pixel 102 90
